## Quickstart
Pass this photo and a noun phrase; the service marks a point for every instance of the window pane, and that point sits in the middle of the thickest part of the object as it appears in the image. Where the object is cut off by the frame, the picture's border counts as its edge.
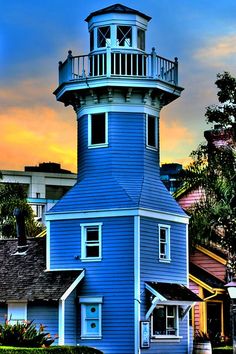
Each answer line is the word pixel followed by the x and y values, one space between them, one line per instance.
pixel 152 131
pixel 92 234
pixel 104 36
pixel 124 36
pixel 163 235
pixel 141 39
pixel 98 129
pixel 92 40
pixel 159 321
pixel 92 251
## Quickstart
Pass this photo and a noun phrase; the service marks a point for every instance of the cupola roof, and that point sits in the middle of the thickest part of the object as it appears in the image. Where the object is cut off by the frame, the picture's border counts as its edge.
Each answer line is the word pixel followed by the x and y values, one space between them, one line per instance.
pixel 118 8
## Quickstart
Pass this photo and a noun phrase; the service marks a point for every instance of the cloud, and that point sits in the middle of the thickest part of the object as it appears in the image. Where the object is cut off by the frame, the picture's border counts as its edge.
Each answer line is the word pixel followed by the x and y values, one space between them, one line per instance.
pixel 33 135
pixel 218 51
pixel 175 139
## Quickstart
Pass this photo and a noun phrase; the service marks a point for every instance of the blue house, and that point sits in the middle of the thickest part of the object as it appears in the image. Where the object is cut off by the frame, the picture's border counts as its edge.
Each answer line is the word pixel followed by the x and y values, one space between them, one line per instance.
pixel 118 233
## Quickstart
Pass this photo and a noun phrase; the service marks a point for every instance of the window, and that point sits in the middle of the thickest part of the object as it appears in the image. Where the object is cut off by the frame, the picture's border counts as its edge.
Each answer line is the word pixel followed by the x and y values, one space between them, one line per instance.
pixel 151 132
pixel 164 242
pixel 104 37
pixel 141 39
pixel 92 39
pixel 165 321
pixel 97 130
pixel 17 312
pixel 124 36
pixel 91 235
pixel 91 317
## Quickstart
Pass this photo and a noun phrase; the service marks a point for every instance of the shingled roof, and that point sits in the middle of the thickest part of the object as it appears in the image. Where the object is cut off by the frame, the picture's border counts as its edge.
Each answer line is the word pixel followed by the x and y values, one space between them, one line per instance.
pixel 23 277
pixel 117 8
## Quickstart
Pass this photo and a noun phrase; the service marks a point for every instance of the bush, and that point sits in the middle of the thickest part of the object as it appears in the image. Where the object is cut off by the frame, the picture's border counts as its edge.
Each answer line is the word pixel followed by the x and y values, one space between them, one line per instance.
pixel 24 335
pixel 51 350
pixel 223 350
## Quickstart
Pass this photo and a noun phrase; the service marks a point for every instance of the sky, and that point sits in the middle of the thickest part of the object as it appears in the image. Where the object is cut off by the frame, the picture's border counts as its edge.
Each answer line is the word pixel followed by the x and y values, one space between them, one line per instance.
pixel 36 34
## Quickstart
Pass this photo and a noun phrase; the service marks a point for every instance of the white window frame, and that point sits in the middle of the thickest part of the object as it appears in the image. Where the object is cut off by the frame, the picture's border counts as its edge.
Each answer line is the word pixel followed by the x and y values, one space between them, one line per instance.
pixel 165 257
pixel 107 40
pixel 94 146
pixel 90 301
pixel 167 337
pixel 84 228
pixel 156 133
pixel 124 36
pixel 17 312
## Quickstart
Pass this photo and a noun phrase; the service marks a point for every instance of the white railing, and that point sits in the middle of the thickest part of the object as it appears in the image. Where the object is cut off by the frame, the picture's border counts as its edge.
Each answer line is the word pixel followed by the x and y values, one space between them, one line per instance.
pixel 116 63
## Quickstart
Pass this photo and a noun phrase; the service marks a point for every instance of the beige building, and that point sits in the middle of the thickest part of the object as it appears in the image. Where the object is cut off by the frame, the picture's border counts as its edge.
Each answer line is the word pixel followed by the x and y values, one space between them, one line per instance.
pixel 44 185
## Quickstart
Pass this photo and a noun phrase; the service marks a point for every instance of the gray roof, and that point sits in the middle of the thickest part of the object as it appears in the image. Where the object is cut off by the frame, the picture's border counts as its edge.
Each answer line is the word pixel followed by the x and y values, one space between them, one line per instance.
pixel 117 8
pixel 23 277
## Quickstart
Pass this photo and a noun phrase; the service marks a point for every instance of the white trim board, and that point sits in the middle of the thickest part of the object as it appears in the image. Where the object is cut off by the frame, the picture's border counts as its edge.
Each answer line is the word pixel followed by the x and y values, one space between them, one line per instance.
pixel 183 219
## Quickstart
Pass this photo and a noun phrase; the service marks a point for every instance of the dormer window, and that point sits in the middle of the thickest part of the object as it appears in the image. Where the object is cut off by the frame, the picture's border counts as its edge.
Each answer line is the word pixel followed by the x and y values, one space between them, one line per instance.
pixel 141 39
pixel 104 37
pixel 124 36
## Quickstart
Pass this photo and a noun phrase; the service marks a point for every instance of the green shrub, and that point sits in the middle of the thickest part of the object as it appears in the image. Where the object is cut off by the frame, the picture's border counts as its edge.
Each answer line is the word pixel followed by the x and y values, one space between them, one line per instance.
pixel 223 350
pixel 51 350
pixel 24 335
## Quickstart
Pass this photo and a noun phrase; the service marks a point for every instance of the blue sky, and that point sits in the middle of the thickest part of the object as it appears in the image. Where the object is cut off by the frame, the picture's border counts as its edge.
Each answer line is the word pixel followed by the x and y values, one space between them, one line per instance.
pixel 35 35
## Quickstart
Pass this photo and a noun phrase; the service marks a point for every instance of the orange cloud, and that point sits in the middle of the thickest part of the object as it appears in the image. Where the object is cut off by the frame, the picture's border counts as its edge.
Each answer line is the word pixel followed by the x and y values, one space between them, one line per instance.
pixel 217 50
pixel 33 135
pixel 175 140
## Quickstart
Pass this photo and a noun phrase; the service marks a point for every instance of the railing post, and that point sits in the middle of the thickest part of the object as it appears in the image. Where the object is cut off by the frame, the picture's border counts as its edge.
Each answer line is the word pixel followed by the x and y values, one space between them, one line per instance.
pixel 108 61
pixel 69 65
pixel 154 63
pixel 176 71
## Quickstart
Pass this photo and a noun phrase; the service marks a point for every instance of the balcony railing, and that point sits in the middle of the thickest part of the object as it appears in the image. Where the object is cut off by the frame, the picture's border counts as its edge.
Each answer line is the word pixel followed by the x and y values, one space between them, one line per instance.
pixel 118 64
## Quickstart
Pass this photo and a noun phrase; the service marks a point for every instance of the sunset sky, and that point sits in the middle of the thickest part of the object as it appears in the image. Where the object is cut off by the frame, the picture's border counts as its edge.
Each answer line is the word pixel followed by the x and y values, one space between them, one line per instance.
pixel 36 34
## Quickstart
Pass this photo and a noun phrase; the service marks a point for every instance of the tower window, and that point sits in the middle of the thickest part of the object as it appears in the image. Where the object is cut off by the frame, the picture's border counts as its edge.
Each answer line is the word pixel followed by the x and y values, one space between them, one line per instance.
pixel 124 36
pixel 97 130
pixel 141 39
pixel 92 40
pixel 151 132
pixel 104 36
pixel 91 235
pixel 164 243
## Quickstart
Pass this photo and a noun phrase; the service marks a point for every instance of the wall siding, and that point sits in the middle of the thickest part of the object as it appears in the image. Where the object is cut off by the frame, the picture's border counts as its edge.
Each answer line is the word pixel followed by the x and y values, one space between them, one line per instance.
pixel 209 264
pixel 71 319
pixel 3 313
pixel 111 278
pixel 154 270
pixel 46 315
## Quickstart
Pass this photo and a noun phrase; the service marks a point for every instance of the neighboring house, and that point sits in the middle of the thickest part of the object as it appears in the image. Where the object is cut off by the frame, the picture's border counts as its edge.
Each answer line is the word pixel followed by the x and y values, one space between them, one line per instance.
pixel 44 185
pixel 118 223
pixel 208 272
pixel 28 292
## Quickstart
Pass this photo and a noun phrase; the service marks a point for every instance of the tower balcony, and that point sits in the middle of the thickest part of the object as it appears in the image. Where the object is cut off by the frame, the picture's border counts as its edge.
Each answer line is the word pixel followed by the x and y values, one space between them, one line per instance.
pixel 117 68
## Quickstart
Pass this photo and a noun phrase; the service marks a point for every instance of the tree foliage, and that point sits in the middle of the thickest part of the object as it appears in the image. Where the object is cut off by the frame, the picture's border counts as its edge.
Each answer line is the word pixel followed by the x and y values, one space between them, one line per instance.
pixel 213 170
pixel 13 196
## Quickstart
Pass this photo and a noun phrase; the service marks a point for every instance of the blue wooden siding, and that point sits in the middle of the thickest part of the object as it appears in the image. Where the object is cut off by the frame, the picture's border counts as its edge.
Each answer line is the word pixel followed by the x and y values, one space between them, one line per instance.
pixel 154 270
pixel 71 319
pixel 3 313
pixel 46 315
pixel 123 175
pixel 112 278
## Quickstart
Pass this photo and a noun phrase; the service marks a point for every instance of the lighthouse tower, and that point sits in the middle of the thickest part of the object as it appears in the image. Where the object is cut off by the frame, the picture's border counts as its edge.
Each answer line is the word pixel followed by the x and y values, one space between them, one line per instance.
pixel 119 223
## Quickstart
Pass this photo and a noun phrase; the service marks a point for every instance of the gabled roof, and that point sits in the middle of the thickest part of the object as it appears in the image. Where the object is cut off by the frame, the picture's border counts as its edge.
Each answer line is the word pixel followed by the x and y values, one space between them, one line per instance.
pixel 23 276
pixel 117 8
pixel 205 277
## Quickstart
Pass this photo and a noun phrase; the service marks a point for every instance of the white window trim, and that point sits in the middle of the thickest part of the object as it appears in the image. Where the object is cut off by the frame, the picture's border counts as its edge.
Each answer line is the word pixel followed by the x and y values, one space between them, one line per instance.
pixel 84 227
pixel 95 146
pixel 84 301
pixel 154 148
pixel 166 337
pixel 132 34
pixel 14 307
pixel 168 258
